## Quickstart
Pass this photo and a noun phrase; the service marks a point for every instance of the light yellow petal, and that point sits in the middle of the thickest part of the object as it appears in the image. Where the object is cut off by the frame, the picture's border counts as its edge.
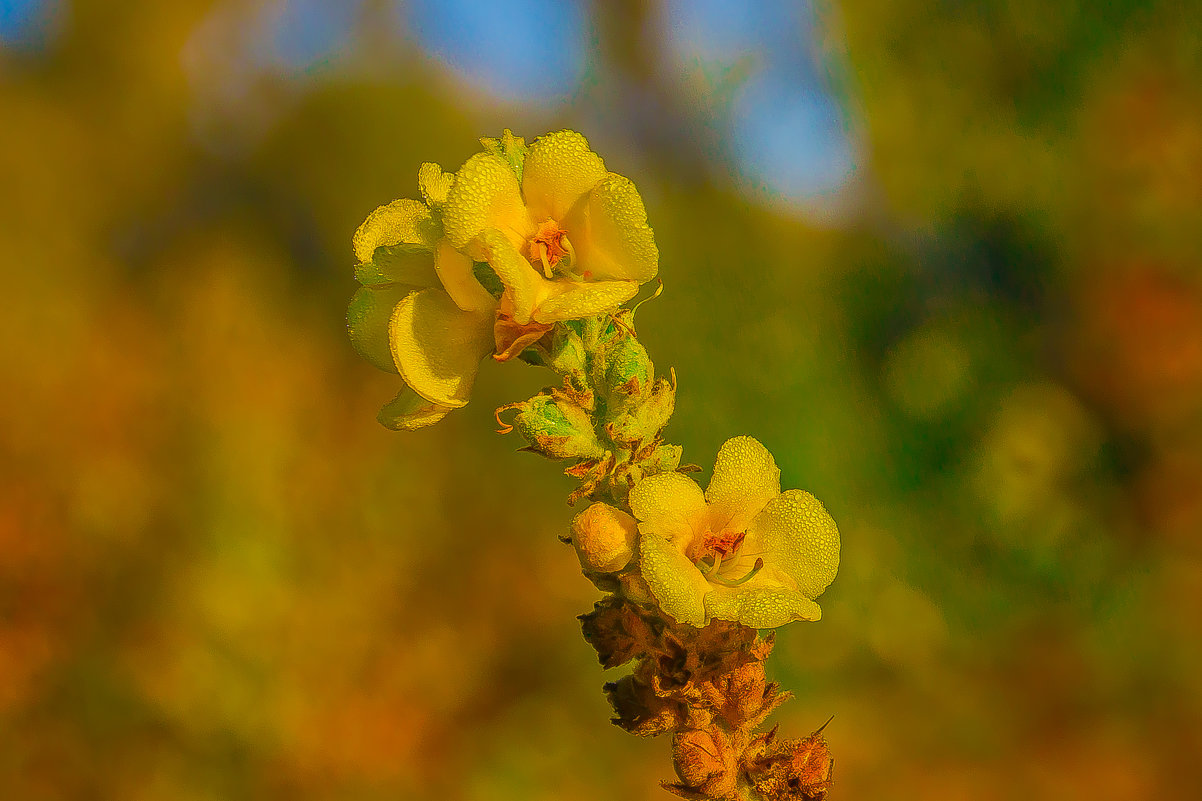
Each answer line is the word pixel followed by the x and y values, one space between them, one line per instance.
pixel 760 607
pixel 409 411
pixel 800 539
pixel 455 271
pixel 678 586
pixel 560 169
pixel 402 221
pixel 438 347
pixel 525 286
pixel 485 194
pixel 611 235
pixel 434 183
pixel 412 265
pixel 573 300
pixel 367 320
pixel 745 479
pixel 671 504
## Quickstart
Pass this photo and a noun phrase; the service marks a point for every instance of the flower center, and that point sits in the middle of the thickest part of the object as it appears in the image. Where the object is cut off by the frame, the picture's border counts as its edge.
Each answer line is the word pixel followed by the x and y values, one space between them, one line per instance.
pixel 716 547
pixel 548 246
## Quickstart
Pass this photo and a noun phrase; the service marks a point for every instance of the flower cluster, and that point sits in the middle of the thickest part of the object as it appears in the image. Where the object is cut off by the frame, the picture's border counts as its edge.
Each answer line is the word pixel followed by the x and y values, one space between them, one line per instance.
pixel 489 259
pixel 742 551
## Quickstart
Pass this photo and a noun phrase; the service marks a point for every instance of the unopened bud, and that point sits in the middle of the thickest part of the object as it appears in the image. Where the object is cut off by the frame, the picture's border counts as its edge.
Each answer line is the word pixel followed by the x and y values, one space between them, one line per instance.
pixel 642 420
pixel 567 351
pixel 604 538
pixel 556 427
pixel 624 370
pixel 705 763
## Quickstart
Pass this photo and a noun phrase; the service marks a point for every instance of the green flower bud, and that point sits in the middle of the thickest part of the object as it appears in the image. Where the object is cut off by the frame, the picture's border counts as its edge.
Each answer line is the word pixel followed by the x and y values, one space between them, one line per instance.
pixel 603 537
pixel 624 370
pixel 663 459
pixel 556 427
pixel 642 421
pixel 567 351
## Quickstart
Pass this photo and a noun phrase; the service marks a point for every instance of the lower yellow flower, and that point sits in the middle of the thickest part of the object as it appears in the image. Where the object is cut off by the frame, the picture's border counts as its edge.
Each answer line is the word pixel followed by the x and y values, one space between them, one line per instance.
pixel 743 551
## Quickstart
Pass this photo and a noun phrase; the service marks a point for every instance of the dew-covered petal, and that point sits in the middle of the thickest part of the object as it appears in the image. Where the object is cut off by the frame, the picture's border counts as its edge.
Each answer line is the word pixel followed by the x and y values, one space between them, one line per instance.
pixel 412 265
pixel 611 234
pixel 573 300
pixel 526 288
pixel 438 347
pixel 760 607
pixel 409 411
pixel 401 222
pixel 485 194
pixel 367 320
pixel 560 170
pixel 434 183
pixel 669 503
pixel 676 583
pixel 455 271
pixel 745 479
pixel 800 539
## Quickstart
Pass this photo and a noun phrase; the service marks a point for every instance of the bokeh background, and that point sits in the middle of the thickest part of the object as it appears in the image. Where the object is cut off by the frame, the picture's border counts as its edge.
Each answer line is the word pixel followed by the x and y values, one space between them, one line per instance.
pixel 942 258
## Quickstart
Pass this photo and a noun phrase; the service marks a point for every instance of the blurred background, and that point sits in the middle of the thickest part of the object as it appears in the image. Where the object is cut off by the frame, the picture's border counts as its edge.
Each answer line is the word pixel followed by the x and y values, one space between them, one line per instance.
pixel 942 258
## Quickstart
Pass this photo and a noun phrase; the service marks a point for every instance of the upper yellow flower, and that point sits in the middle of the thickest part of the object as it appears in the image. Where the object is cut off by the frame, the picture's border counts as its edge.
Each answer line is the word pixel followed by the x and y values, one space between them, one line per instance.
pixel 567 238
pixel 485 264
pixel 743 551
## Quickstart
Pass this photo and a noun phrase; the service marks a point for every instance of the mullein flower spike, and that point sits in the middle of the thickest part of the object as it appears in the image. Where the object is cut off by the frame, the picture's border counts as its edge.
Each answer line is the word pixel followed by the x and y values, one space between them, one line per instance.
pixel 528 252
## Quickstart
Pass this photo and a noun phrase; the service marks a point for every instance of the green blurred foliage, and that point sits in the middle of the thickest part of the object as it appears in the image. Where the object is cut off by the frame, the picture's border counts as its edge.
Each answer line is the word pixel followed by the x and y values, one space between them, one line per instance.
pixel 221 578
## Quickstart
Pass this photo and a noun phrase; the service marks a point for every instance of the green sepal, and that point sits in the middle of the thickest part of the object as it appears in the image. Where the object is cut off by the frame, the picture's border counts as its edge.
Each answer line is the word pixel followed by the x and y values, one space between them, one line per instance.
pixel 663 459
pixel 511 148
pixel 642 420
pixel 567 355
pixel 556 427
pixel 624 370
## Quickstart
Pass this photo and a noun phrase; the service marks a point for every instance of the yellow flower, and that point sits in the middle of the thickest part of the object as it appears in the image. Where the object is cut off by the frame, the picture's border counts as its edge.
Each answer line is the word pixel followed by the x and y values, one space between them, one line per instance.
pixel 414 315
pixel 743 551
pixel 567 238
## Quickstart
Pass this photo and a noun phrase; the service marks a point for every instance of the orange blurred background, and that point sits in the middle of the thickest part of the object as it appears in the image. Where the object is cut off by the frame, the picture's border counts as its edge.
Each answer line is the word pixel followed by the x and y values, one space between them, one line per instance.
pixel 942 259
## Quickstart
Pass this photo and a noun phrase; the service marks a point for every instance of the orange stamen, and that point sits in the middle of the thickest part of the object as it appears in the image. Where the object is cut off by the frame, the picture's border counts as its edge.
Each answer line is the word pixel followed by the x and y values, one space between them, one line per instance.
pixel 548 246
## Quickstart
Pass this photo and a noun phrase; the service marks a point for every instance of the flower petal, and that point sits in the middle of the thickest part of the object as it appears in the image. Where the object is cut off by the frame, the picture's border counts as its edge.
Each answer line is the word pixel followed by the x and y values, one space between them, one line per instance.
pixel 800 539
pixel 560 169
pixel 485 194
pixel 455 270
pixel 573 300
pixel 412 265
pixel 671 504
pixel 611 235
pixel 760 607
pixel 409 411
pixel 526 287
pixel 402 221
pixel 367 320
pixel 438 347
pixel 434 183
pixel 676 583
pixel 745 479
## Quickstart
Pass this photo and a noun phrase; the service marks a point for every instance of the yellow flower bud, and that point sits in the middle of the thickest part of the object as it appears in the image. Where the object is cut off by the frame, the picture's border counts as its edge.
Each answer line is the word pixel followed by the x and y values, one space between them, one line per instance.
pixel 604 538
